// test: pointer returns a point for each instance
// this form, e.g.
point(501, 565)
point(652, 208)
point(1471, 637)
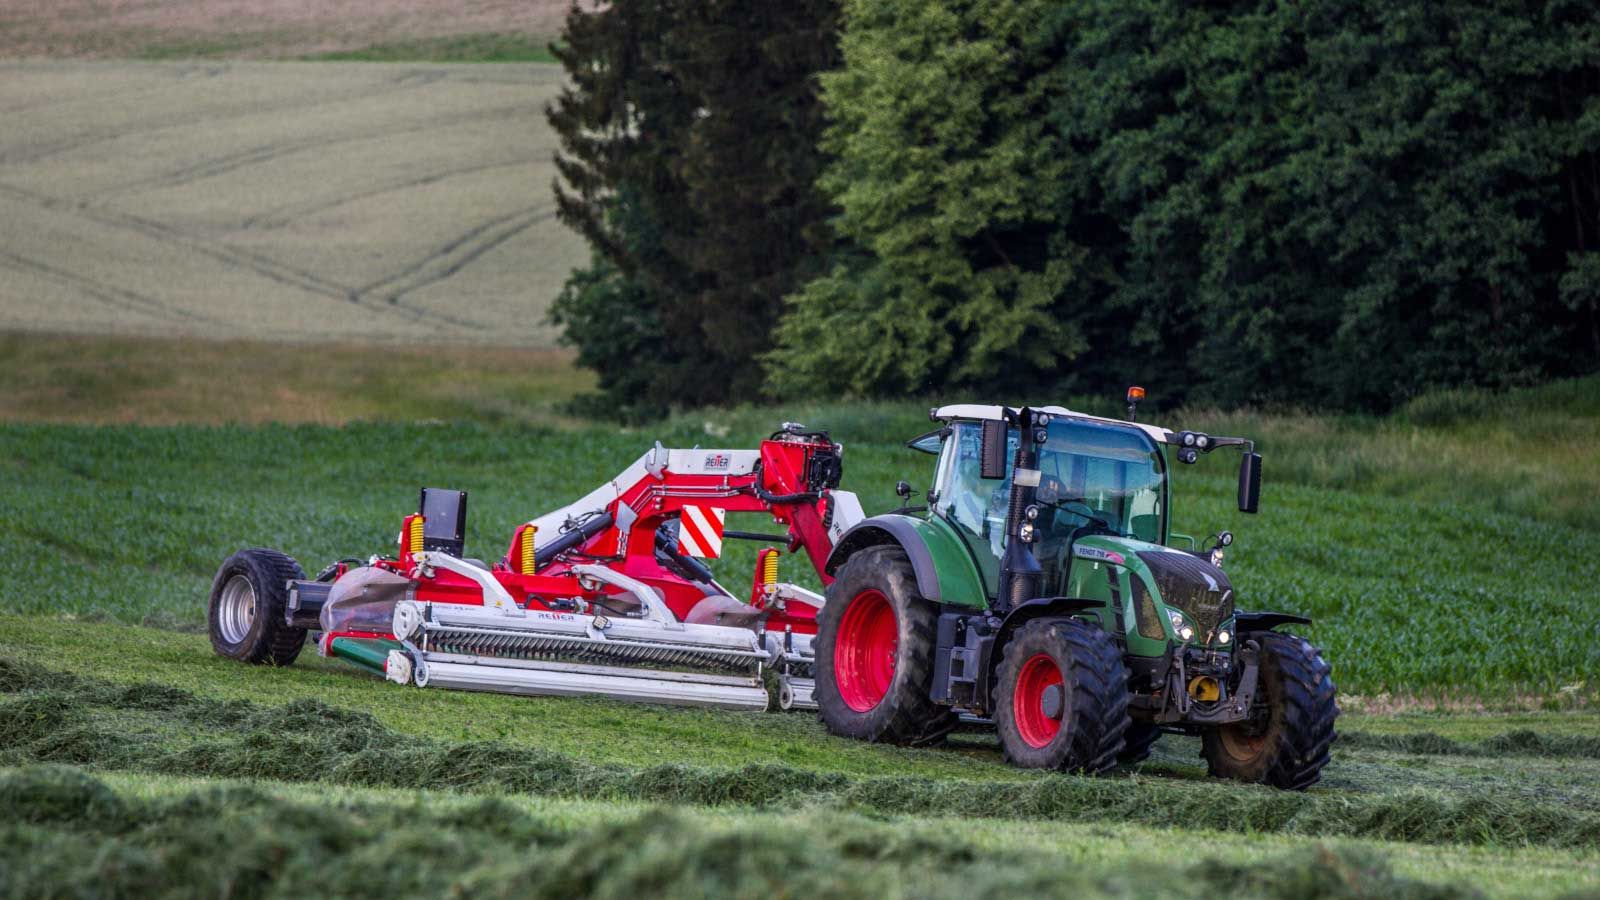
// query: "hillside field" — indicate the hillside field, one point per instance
point(328, 201)
point(252, 29)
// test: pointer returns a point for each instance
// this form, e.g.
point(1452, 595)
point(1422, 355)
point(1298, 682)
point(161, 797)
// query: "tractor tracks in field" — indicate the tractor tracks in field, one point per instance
point(272, 270)
point(287, 276)
point(449, 259)
point(184, 148)
point(286, 215)
point(383, 295)
point(114, 297)
point(270, 152)
point(410, 80)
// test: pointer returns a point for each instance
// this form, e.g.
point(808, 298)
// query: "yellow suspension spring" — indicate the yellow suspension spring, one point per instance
point(769, 570)
point(416, 535)
point(528, 534)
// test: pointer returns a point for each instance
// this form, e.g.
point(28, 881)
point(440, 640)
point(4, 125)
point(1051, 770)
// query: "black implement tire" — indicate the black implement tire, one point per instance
point(1136, 743)
point(1062, 701)
point(1287, 743)
point(245, 615)
point(876, 638)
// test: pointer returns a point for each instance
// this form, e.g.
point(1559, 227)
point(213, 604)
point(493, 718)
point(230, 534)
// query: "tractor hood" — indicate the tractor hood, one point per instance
point(1181, 580)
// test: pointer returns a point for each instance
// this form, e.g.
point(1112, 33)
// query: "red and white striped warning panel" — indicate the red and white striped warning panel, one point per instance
point(700, 531)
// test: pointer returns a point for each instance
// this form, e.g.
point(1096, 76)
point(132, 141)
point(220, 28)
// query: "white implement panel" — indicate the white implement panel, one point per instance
point(551, 679)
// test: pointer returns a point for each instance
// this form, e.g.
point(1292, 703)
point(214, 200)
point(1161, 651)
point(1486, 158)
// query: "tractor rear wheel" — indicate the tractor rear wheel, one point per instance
point(876, 638)
point(1286, 742)
point(1062, 701)
point(246, 613)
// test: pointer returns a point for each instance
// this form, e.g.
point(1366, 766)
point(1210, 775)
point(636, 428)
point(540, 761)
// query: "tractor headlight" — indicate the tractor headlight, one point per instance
point(1223, 637)
point(1182, 629)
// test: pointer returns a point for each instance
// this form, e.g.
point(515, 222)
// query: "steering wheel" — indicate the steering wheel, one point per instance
point(1088, 512)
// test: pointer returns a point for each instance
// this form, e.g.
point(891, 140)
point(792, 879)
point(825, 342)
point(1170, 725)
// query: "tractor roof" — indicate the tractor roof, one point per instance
point(981, 411)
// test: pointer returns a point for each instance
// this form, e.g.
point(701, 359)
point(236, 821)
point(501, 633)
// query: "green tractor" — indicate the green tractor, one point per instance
point(1042, 588)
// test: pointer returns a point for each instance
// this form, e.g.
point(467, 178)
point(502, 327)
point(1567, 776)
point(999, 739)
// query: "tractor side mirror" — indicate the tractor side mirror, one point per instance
point(1250, 482)
point(992, 453)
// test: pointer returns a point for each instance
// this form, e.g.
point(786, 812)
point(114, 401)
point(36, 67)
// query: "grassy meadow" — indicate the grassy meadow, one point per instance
point(1468, 761)
point(1416, 570)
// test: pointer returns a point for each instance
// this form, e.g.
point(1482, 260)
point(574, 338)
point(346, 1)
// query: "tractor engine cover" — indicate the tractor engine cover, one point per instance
point(1191, 585)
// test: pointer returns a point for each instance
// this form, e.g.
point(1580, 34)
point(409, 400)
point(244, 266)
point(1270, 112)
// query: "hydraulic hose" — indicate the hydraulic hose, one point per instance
point(688, 567)
point(585, 530)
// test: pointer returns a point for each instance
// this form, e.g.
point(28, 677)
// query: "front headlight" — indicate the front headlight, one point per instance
point(1181, 628)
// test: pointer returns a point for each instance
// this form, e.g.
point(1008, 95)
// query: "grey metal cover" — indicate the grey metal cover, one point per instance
point(364, 600)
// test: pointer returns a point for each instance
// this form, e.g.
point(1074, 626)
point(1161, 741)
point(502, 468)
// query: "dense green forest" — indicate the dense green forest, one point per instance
point(1314, 203)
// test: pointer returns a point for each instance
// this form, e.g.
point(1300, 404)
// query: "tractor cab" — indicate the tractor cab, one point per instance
point(1096, 477)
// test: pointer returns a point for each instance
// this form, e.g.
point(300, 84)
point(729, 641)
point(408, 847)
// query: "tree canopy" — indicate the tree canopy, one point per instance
point(688, 160)
point(1316, 202)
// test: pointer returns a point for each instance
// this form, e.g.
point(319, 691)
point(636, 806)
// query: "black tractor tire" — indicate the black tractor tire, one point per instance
point(876, 639)
point(1080, 727)
point(1137, 742)
point(1288, 745)
point(246, 612)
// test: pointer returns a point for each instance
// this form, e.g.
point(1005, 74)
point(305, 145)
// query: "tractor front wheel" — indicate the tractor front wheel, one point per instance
point(246, 613)
point(1062, 701)
point(1286, 741)
point(876, 638)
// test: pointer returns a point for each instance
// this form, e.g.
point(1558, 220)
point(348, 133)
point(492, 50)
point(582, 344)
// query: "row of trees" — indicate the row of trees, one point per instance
point(1317, 202)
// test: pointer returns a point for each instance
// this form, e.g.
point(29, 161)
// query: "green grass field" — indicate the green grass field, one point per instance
point(1423, 580)
point(1446, 551)
point(173, 733)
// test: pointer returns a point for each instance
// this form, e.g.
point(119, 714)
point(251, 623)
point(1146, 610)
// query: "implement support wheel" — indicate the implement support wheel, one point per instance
point(245, 616)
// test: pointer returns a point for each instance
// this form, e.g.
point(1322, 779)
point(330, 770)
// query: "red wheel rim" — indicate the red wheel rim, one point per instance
point(1039, 682)
point(863, 654)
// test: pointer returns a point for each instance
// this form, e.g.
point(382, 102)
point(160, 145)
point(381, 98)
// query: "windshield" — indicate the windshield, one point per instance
point(1114, 473)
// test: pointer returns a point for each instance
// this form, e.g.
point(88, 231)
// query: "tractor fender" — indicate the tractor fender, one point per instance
point(1038, 608)
point(889, 529)
point(1265, 621)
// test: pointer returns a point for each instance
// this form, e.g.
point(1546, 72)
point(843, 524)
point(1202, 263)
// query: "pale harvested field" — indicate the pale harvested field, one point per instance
point(280, 201)
point(254, 28)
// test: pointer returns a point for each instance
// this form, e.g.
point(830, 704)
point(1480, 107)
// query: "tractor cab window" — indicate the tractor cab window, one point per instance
point(1112, 474)
point(975, 505)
